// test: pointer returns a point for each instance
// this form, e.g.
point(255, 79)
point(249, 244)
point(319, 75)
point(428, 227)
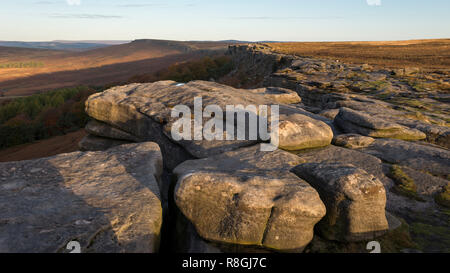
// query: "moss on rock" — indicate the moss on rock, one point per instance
point(404, 185)
point(431, 237)
point(393, 242)
point(443, 198)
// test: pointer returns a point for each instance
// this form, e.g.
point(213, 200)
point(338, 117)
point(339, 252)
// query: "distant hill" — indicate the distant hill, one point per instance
point(98, 66)
point(71, 46)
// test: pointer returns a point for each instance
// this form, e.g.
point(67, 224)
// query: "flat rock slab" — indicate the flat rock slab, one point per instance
point(352, 141)
point(419, 156)
point(355, 201)
point(352, 121)
point(107, 201)
point(335, 154)
point(249, 197)
point(436, 134)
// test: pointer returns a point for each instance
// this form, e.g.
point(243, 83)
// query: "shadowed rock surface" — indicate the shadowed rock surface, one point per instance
point(101, 129)
point(419, 156)
point(355, 200)
point(95, 143)
point(355, 122)
point(107, 201)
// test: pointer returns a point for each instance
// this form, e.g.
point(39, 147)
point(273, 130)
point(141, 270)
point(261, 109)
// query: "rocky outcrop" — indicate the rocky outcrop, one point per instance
point(355, 200)
point(352, 121)
point(106, 201)
point(139, 112)
point(255, 62)
point(404, 96)
point(248, 197)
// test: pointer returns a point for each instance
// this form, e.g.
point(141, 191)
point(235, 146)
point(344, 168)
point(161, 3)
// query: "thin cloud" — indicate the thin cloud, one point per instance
point(158, 5)
point(84, 16)
point(73, 2)
point(373, 2)
point(284, 18)
point(44, 3)
point(141, 5)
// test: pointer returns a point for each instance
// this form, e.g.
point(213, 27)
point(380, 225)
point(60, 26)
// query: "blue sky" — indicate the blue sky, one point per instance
point(282, 20)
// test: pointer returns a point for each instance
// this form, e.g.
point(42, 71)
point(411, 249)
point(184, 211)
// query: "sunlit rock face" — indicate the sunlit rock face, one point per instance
point(140, 112)
point(249, 197)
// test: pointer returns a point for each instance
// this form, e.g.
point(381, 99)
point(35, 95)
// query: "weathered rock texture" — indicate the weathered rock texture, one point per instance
point(143, 112)
point(334, 154)
point(298, 132)
point(419, 156)
point(352, 141)
point(107, 201)
point(355, 200)
point(405, 97)
point(248, 197)
point(352, 121)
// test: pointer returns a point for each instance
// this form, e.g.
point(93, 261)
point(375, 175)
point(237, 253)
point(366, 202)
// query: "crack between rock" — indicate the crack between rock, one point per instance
point(267, 226)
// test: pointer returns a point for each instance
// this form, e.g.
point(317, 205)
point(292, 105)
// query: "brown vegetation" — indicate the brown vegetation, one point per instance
point(97, 67)
point(426, 54)
point(44, 148)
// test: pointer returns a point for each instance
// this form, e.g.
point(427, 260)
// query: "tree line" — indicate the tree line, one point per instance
point(40, 116)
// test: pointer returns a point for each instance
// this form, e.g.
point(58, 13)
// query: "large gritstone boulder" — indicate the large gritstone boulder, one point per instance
point(249, 197)
point(355, 200)
point(105, 201)
point(139, 112)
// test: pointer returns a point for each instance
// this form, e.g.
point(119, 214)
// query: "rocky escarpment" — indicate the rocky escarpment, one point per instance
point(408, 97)
point(369, 108)
point(347, 165)
point(230, 196)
